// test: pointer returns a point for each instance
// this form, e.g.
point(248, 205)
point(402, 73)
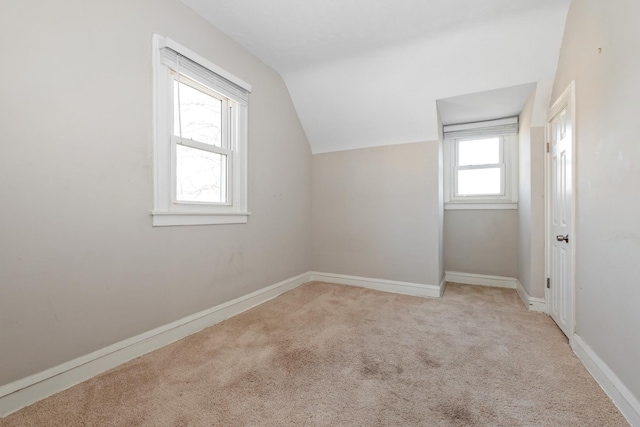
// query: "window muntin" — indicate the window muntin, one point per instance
point(200, 139)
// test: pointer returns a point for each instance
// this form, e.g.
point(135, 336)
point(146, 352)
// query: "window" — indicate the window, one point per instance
point(200, 139)
point(481, 165)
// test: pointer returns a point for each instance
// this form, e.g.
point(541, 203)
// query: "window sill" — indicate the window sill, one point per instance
point(163, 219)
point(473, 206)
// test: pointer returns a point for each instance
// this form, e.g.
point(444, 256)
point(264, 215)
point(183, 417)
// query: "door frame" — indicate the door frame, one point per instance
point(568, 97)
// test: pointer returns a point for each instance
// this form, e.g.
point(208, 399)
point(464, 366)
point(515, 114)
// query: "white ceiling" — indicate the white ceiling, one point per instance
point(365, 73)
point(487, 105)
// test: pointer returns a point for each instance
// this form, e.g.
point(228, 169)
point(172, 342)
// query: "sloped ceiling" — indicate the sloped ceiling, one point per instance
point(365, 73)
point(488, 105)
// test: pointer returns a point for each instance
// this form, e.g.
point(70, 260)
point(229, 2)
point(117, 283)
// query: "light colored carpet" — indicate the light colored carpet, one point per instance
point(332, 355)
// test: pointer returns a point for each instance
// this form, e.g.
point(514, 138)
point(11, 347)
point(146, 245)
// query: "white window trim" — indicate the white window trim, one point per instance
point(509, 160)
point(167, 211)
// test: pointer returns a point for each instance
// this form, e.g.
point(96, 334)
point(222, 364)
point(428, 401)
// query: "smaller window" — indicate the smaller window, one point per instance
point(481, 166)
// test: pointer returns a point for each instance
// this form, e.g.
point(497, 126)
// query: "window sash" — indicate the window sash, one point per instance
point(227, 182)
point(457, 150)
point(226, 110)
point(502, 193)
point(204, 147)
point(501, 164)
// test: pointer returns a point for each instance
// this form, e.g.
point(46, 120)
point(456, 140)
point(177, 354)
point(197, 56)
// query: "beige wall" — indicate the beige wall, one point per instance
point(531, 204)
point(480, 241)
point(607, 162)
point(483, 241)
point(376, 212)
point(81, 267)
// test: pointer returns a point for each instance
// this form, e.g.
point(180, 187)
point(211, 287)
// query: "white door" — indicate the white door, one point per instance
point(560, 213)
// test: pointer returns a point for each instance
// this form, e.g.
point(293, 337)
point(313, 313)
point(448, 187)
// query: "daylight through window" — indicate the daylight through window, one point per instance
point(479, 167)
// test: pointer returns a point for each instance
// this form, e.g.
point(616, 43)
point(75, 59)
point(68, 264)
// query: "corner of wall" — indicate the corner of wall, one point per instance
point(440, 195)
point(525, 228)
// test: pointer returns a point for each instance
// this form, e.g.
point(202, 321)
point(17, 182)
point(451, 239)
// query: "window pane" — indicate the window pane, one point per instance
point(479, 182)
point(201, 176)
point(200, 115)
point(479, 152)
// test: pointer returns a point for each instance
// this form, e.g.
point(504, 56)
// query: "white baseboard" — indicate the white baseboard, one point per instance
point(532, 303)
point(480, 279)
point(406, 288)
point(18, 394)
point(21, 393)
point(443, 285)
point(626, 402)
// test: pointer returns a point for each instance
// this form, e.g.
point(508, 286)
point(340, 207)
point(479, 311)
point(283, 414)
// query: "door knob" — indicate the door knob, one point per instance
point(560, 238)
